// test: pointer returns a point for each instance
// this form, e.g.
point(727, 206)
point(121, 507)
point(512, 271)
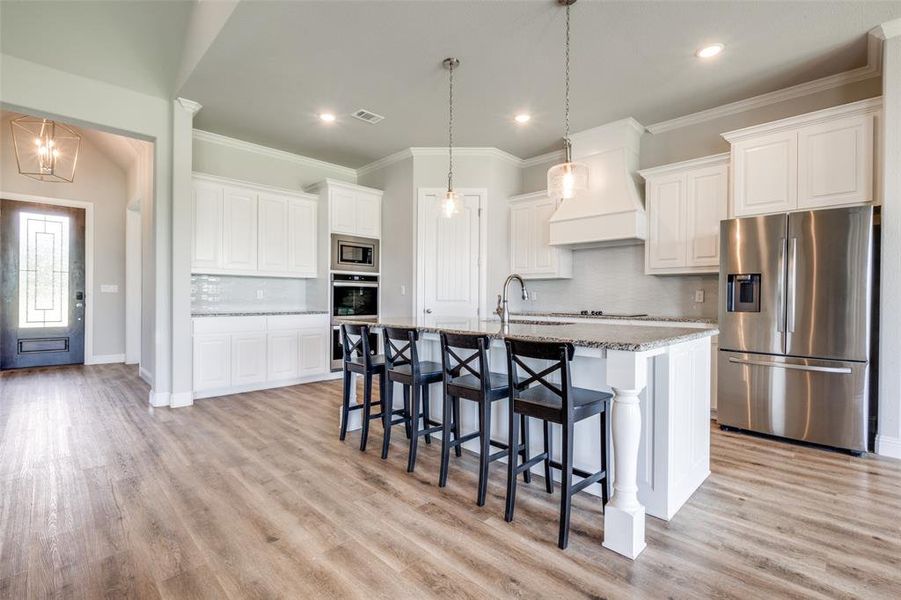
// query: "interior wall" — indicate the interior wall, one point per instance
point(101, 182)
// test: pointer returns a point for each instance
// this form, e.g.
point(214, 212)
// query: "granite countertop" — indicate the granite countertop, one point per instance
point(578, 315)
point(631, 338)
point(259, 313)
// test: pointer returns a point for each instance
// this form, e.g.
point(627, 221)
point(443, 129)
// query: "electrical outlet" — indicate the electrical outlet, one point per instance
point(533, 296)
point(403, 290)
point(699, 296)
point(259, 294)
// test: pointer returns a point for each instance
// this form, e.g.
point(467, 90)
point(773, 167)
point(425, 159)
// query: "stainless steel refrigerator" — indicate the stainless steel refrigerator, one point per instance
point(795, 325)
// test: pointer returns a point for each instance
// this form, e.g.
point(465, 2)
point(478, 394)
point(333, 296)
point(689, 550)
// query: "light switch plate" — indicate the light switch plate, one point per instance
point(259, 294)
point(109, 288)
point(699, 295)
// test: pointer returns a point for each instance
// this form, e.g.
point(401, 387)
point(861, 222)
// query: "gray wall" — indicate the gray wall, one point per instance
point(101, 182)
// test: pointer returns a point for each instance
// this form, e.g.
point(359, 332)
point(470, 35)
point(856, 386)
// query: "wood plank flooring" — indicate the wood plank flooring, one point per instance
point(253, 496)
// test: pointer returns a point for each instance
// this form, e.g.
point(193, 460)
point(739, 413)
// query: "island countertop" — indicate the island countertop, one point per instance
point(609, 336)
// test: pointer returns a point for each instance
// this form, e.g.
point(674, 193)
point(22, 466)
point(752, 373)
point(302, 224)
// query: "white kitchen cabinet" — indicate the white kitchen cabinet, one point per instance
point(212, 361)
point(352, 209)
point(314, 351)
point(283, 355)
point(815, 160)
point(249, 229)
point(685, 203)
point(248, 354)
point(530, 253)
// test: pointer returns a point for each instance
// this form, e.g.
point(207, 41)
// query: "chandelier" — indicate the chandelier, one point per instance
point(45, 150)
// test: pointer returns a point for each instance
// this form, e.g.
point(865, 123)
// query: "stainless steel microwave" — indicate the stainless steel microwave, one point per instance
point(355, 254)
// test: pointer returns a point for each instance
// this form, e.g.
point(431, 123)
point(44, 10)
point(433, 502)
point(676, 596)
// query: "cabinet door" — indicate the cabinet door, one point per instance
point(521, 231)
point(343, 211)
point(302, 237)
point(283, 353)
point(766, 174)
point(212, 361)
point(369, 215)
point(706, 205)
point(248, 358)
point(206, 243)
point(313, 351)
point(545, 256)
point(273, 233)
point(666, 246)
point(239, 238)
point(835, 162)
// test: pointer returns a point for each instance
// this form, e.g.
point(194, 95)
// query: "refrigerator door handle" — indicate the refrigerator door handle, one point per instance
point(761, 363)
point(791, 284)
point(780, 289)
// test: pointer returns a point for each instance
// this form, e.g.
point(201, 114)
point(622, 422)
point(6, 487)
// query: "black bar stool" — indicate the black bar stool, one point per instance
point(358, 359)
point(476, 383)
point(553, 403)
point(402, 365)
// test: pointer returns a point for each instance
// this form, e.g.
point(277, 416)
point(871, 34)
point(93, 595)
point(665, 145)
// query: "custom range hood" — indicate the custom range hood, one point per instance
point(611, 212)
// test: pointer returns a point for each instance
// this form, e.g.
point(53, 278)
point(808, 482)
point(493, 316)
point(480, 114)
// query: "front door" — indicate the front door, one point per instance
point(42, 283)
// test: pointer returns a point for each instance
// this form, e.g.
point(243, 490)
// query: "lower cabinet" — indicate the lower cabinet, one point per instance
point(234, 354)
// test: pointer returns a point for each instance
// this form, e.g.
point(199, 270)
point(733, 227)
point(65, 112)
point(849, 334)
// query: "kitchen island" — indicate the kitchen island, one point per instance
point(660, 378)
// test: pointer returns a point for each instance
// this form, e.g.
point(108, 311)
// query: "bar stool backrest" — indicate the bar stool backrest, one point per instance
point(355, 342)
point(560, 354)
point(400, 348)
point(475, 361)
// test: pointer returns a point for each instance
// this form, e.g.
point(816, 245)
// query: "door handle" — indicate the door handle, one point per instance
point(814, 368)
point(780, 289)
point(428, 311)
point(792, 284)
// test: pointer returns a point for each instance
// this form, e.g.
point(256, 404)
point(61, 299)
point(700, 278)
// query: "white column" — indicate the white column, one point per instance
point(888, 439)
point(624, 515)
point(182, 160)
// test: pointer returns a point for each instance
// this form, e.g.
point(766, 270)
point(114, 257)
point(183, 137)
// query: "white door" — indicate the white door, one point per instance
point(835, 162)
point(343, 207)
point(666, 241)
point(282, 347)
point(302, 237)
point(369, 215)
point(707, 203)
point(212, 361)
point(313, 351)
point(766, 174)
point(206, 244)
point(248, 358)
point(448, 255)
point(522, 217)
point(273, 233)
point(240, 233)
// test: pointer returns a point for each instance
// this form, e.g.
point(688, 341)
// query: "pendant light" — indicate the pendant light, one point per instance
point(568, 179)
point(45, 150)
point(451, 203)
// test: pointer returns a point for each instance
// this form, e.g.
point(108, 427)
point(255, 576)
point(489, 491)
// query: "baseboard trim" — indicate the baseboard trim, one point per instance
point(181, 399)
point(105, 359)
point(159, 399)
point(888, 446)
point(145, 375)
point(265, 385)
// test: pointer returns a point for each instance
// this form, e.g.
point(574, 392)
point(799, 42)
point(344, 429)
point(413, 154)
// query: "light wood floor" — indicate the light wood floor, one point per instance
point(253, 496)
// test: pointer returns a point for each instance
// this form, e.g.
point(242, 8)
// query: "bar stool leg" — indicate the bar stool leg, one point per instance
point(407, 411)
point(484, 449)
point(548, 475)
point(387, 393)
point(446, 429)
point(367, 409)
point(511, 465)
point(414, 426)
point(457, 449)
point(524, 424)
point(426, 409)
point(566, 489)
point(345, 404)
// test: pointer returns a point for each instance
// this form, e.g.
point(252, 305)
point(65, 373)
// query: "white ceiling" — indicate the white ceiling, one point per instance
point(275, 65)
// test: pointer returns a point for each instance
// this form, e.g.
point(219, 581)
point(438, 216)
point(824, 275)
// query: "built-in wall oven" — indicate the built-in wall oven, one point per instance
point(353, 296)
point(355, 254)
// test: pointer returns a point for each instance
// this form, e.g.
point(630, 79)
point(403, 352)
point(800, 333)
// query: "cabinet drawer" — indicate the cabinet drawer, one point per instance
point(249, 324)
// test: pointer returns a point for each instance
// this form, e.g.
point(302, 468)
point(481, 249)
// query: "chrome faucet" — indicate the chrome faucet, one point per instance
point(502, 309)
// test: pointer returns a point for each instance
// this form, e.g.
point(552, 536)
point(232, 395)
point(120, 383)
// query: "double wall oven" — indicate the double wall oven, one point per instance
point(353, 295)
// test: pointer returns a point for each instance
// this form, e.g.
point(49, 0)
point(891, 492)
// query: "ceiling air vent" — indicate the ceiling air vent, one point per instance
point(368, 116)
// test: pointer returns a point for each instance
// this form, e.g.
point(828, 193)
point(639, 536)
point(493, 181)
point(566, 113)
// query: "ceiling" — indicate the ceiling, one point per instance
point(274, 66)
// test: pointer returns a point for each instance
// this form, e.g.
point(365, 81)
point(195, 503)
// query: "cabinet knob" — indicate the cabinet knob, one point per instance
point(428, 311)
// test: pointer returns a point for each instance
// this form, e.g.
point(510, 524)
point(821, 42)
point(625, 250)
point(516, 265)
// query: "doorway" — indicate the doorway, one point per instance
point(42, 285)
point(450, 271)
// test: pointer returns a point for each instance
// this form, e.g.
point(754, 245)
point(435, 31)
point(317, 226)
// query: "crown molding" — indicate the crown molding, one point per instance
point(189, 105)
point(888, 30)
point(694, 163)
point(215, 138)
point(872, 69)
point(485, 152)
point(861, 107)
point(384, 162)
point(554, 156)
point(250, 184)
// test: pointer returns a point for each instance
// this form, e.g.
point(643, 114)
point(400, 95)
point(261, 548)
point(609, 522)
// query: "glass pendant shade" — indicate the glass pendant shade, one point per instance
point(450, 204)
point(567, 180)
point(45, 150)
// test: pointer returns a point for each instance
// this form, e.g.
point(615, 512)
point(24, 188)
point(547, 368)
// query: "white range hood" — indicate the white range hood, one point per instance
point(611, 212)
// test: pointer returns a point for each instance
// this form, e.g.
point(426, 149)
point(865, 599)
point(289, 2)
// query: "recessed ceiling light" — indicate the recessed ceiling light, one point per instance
point(327, 117)
point(709, 51)
point(522, 118)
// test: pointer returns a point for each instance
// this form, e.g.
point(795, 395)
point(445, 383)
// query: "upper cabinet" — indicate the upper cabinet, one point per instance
point(353, 209)
point(530, 254)
point(816, 160)
point(685, 203)
point(246, 229)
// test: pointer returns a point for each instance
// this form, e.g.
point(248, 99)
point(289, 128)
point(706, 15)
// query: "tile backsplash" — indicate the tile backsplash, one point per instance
point(220, 293)
point(613, 280)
